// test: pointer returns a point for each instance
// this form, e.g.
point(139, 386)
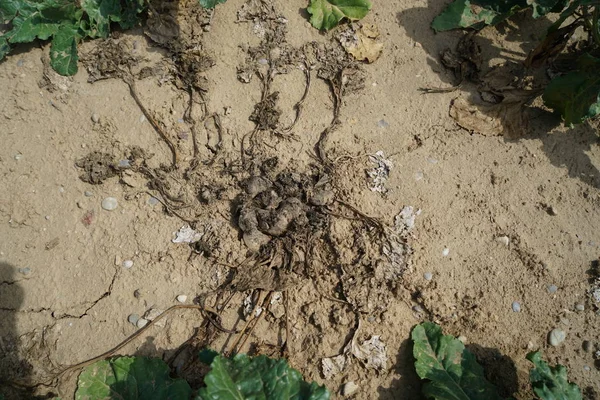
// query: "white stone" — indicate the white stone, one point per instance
point(127, 264)
point(182, 298)
point(110, 204)
point(142, 322)
point(503, 239)
point(349, 388)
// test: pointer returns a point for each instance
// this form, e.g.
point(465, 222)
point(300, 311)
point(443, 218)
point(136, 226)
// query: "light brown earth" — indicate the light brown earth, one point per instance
point(65, 296)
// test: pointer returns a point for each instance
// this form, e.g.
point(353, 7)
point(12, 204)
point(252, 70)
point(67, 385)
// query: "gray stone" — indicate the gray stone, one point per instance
point(133, 319)
point(110, 204)
point(556, 337)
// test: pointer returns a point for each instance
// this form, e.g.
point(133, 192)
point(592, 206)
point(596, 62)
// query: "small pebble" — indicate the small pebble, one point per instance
point(503, 239)
point(432, 161)
point(586, 346)
point(587, 368)
point(142, 118)
point(382, 123)
point(445, 252)
point(25, 271)
point(428, 276)
point(87, 193)
point(124, 164)
point(556, 337)
point(462, 339)
point(20, 63)
point(95, 118)
point(182, 298)
point(153, 201)
point(127, 264)
point(263, 61)
point(47, 217)
point(18, 156)
point(133, 319)
point(142, 322)
point(61, 189)
point(349, 388)
point(579, 307)
point(110, 204)
point(552, 288)
point(516, 306)
point(418, 175)
point(418, 309)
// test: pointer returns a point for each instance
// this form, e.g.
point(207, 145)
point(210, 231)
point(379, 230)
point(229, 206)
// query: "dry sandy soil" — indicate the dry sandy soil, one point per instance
point(501, 220)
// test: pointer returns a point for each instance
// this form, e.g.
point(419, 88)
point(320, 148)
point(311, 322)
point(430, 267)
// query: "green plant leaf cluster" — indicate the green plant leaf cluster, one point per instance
point(326, 14)
point(478, 13)
point(66, 23)
point(550, 383)
point(575, 95)
point(130, 378)
point(260, 378)
point(237, 378)
point(451, 371)
point(211, 3)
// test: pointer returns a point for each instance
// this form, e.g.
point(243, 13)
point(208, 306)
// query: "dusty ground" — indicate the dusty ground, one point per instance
point(65, 296)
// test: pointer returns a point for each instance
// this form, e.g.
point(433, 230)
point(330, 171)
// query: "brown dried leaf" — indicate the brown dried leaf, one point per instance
point(506, 118)
point(364, 45)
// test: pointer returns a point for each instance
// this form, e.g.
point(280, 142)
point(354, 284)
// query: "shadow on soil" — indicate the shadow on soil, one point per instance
point(13, 368)
point(564, 149)
point(499, 370)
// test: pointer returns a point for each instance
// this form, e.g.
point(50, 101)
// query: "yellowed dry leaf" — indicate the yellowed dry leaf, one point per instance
point(366, 47)
point(507, 118)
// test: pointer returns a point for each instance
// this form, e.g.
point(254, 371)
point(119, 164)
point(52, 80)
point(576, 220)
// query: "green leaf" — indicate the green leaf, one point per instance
point(451, 370)
point(4, 47)
point(101, 13)
point(63, 52)
point(130, 378)
point(260, 378)
point(326, 14)
point(476, 14)
point(211, 3)
point(130, 14)
point(575, 95)
point(550, 383)
point(8, 9)
point(543, 7)
point(42, 20)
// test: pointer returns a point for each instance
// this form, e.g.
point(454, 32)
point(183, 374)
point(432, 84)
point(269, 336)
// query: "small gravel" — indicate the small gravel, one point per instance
point(516, 306)
point(552, 288)
point(503, 240)
point(87, 193)
point(556, 337)
point(25, 271)
point(127, 264)
point(382, 123)
point(133, 318)
point(95, 118)
point(446, 252)
point(428, 276)
point(110, 204)
point(350, 388)
point(142, 322)
point(182, 298)
point(587, 346)
point(579, 307)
